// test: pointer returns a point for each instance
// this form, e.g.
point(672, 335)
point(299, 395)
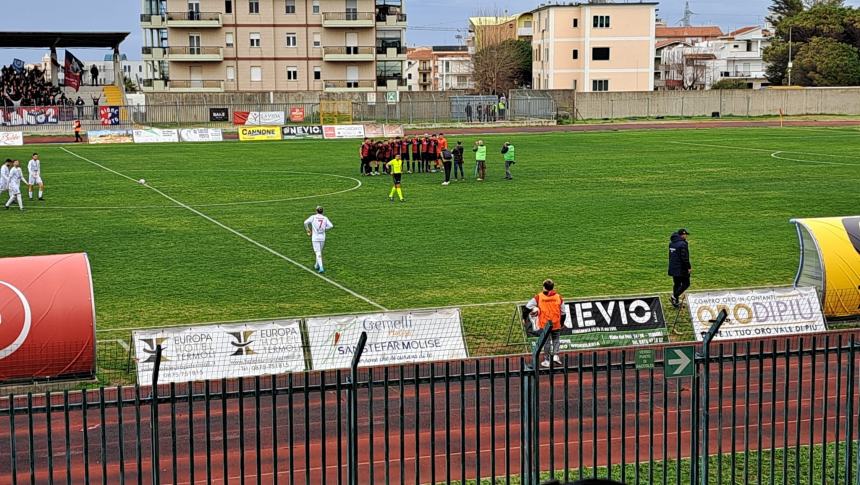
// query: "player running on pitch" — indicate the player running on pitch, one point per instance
point(15, 177)
point(396, 168)
point(34, 173)
point(317, 226)
point(4, 175)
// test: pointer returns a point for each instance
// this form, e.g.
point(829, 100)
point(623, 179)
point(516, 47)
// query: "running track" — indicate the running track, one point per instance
point(773, 407)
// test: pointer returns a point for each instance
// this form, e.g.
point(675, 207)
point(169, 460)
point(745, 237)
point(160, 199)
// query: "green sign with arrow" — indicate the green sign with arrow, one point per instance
point(680, 362)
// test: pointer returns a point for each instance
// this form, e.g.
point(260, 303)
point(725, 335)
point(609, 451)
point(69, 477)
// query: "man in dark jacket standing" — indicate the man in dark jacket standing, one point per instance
point(679, 265)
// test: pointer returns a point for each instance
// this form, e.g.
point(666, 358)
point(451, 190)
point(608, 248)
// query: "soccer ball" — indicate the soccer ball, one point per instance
point(142, 182)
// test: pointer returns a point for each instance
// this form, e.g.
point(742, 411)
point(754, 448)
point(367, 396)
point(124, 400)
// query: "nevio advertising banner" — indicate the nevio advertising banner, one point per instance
point(47, 317)
point(757, 313)
point(30, 115)
point(156, 135)
point(11, 138)
point(392, 338)
point(220, 351)
point(201, 134)
point(259, 118)
point(98, 137)
point(219, 114)
point(609, 323)
point(260, 133)
point(293, 132)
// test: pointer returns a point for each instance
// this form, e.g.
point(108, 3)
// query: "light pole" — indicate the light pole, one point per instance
point(790, 64)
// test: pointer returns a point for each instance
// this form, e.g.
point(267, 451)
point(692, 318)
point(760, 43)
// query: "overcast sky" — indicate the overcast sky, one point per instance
point(430, 21)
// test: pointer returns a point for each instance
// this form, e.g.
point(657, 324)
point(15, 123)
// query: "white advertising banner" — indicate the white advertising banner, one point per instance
point(266, 118)
point(194, 135)
point(11, 138)
point(331, 132)
point(392, 338)
point(220, 351)
point(156, 135)
point(757, 313)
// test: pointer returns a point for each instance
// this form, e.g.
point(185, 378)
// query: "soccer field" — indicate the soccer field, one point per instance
point(219, 235)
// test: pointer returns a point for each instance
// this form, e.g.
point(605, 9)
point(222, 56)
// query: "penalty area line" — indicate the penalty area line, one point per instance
point(234, 232)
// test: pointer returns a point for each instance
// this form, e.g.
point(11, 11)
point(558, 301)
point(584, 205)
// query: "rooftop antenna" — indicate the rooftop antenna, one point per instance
point(688, 15)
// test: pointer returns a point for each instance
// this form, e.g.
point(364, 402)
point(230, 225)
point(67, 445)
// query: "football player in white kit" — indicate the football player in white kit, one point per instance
point(15, 177)
point(34, 172)
point(316, 226)
point(4, 175)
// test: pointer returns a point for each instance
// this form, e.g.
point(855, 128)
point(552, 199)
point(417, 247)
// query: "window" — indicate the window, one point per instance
point(386, 39)
point(317, 41)
point(231, 73)
point(291, 6)
point(749, 46)
point(291, 39)
point(228, 39)
point(228, 6)
point(447, 67)
point(317, 73)
point(409, 76)
point(600, 85)
point(546, 54)
point(292, 73)
point(600, 54)
point(315, 7)
point(253, 6)
point(256, 73)
point(527, 24)
point(601, 21)
point(255, 39)
point(576, 53)
point(575, 23)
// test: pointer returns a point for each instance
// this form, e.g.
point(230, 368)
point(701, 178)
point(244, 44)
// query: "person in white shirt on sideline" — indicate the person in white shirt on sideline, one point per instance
point(34, 173)
point(15, 177)
point(317, 226)
point(4, 175)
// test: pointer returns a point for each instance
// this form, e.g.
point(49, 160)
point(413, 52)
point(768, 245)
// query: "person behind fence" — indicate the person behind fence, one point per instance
point(469, 112)
point(510, 158)
point(502, 108)
point(549, 307)
point(458, 161)
point(679, 265)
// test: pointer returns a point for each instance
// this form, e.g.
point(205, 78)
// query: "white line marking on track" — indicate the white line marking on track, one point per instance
point(235, 232)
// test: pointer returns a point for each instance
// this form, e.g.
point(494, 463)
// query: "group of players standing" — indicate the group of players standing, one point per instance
point(11, 177)
point(420, 154)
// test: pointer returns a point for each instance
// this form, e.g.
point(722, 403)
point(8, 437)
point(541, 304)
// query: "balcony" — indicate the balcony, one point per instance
point(367, 85)
point(349, 20)
point(524, 32)
point(196, 85)
point(737, 74)
point(154, 53)
point(391, 20)
point(391, 53)
point(195, 54)
point(390, 83)
point(348, 54)
point(194, 20)
point(151, 21)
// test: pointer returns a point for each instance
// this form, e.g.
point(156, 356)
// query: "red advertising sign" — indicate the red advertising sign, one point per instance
point(47, 318)
point(297, 115)
point(240, 118)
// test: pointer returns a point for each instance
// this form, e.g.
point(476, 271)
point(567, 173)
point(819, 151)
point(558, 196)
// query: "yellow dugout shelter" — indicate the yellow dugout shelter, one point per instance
point(830, 262)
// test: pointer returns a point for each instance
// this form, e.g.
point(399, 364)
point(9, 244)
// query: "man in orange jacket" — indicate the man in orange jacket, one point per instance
point(549, 307)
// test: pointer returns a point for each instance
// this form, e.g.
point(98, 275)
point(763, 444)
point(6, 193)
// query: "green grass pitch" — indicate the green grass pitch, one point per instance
point(593, 211)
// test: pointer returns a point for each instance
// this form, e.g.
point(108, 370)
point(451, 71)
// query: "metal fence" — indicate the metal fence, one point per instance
point(776, 411)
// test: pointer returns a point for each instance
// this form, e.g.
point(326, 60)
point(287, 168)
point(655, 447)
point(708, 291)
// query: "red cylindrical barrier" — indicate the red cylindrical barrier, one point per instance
point(47, 318)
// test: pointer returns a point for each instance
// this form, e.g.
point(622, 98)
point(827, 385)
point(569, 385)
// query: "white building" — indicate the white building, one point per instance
point(735, 56)
point(137, 71)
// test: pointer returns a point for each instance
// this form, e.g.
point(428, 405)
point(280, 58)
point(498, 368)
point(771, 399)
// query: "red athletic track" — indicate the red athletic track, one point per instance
point(317, 440)
point(490, 129)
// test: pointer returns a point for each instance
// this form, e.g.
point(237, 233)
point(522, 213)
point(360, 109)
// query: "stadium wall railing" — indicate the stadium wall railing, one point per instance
point(778, 411)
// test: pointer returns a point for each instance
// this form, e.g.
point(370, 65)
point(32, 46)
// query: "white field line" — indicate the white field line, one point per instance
point(776, 155)
point(768, 150)
point(236, 233)
point(461, 306)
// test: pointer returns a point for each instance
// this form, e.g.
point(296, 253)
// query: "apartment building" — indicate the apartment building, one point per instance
point(274, 45)
point(439, 68)
point(594, 46)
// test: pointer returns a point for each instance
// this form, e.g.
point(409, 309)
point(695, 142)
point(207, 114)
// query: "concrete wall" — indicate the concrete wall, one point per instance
point(767, 102)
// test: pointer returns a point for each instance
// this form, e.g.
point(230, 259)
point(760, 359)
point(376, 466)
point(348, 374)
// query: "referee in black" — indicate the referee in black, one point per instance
point(679, 265)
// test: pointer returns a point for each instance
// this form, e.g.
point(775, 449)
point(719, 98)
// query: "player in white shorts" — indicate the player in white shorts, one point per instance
point(34, 171)
point(15, 177)
point(4, 175)
point(316, 226)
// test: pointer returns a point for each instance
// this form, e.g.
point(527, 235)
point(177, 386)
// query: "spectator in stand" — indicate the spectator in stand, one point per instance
point(25, 87)
point(96, 100)
point(94, 73)
point(80, 106)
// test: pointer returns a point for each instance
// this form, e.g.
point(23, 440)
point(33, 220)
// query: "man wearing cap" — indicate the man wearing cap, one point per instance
point(679, 265)
point(317, 226)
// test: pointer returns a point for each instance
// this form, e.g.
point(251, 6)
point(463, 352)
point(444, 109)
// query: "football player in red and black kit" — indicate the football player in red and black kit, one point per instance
point(415, 165)
point(364, 153)
point(425, 153)
point(404, 152)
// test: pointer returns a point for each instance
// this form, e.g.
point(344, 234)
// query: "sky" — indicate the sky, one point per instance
point(431, 22)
